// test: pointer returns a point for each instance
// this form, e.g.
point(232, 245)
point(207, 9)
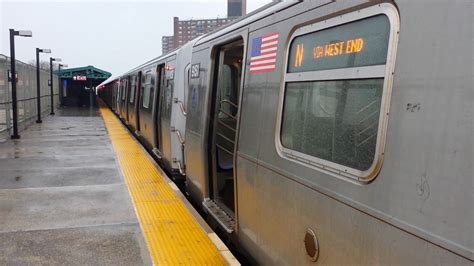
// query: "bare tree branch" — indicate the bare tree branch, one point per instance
point(44, 65)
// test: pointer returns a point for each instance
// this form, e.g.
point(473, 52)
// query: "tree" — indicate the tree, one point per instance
point(44, 65)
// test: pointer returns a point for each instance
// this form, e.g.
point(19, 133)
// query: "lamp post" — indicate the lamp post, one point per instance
point(60, 86)
point(13, 33)
point(38, 89)
point(51, 81)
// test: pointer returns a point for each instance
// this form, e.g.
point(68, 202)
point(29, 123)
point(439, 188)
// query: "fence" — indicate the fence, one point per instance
point(26, 95)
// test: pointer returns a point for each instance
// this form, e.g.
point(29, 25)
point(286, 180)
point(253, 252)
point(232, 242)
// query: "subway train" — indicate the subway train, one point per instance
point(321, 132)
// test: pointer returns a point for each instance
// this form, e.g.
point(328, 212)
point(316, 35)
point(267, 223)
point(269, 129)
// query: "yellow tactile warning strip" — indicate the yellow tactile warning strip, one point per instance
point(172, 234)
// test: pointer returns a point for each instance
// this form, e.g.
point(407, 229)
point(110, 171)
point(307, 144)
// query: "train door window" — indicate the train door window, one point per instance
point(167, 101)
point(152, 90)
point(133, 87)
point(224, 133)
point(149, 90)
point(126, 93)
point(122, 90)
point(336, 94)
point(187, 75)
point(117, 91)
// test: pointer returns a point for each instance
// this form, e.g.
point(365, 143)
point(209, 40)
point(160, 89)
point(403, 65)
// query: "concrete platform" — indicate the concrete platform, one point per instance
point(63, 199)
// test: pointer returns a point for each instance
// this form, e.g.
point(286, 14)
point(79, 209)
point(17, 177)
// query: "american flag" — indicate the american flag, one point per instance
point(264, 51)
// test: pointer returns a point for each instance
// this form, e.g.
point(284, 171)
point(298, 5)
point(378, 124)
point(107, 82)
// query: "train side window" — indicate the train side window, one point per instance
point(333, 120)
point(335, 98)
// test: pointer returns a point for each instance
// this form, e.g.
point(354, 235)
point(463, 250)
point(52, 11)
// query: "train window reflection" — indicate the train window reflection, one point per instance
point(336, 121)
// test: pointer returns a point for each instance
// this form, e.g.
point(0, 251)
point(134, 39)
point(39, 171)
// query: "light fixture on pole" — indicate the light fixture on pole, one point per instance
point(38, 89)
point(51, 59)
point(13, 33)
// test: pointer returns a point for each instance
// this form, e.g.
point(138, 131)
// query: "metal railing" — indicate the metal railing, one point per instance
point(181, 106)
point(26, 95)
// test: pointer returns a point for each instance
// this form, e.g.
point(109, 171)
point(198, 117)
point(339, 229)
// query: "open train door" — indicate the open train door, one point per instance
point(160, 84)
point(223, 131)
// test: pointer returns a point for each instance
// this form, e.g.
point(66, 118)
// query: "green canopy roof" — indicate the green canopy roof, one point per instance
point(90, 72)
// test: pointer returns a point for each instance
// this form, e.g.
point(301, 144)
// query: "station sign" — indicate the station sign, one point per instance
point(80, 78)
point(195, 68)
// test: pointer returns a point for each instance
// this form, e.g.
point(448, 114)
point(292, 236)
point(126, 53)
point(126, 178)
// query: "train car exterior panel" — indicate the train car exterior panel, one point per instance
point(147, 105)
point(114, 87)
point(134, 98)
point(113, 91)
point(393, 196)
point(122, 99)
point(178, 113)
point(196, 125)
point(165, 112)
point(346, 235)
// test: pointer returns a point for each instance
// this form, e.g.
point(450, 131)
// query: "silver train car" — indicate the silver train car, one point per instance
point(328, 132)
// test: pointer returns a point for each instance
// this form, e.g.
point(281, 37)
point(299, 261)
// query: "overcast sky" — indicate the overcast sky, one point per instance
point(114, 35)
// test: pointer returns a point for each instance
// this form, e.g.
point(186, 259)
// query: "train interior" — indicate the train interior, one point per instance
point(225, 114)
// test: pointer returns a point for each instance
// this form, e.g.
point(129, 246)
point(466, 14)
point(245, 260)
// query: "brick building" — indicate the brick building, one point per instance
point(186, 30)
point(236, 8)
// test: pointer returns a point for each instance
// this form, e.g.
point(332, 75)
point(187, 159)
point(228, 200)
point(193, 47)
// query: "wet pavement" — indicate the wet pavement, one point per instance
point(63, 199)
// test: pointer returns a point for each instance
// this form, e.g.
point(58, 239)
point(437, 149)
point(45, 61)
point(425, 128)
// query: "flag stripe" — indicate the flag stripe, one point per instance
point(255, 63)
point(270, 35)
point(268, 65)
point(261, 71)
point(265, 44)
point(263, 56)
point(262, 67)
point(272, 68)
point(269, 49)
point(269, 38)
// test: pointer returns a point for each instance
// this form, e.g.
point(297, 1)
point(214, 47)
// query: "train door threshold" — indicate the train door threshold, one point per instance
point(220, 215)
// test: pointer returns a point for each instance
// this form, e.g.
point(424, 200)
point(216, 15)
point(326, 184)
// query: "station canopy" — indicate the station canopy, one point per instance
point(83, 73)
point(78, 85)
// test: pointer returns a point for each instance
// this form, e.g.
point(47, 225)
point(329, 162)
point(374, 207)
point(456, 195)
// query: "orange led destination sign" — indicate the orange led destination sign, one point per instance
point(360, 43)
point(339, 48)
point(330, 49)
